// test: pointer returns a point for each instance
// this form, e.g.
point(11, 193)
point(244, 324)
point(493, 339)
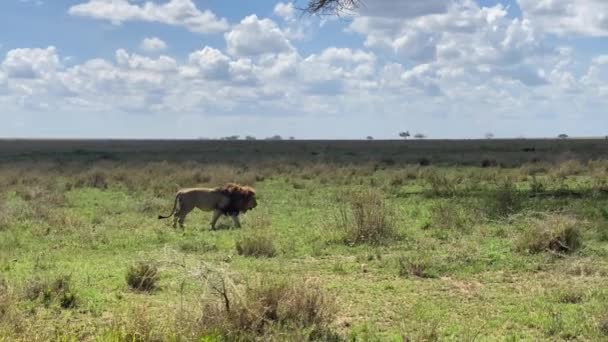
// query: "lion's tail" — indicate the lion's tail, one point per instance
point(172, 210)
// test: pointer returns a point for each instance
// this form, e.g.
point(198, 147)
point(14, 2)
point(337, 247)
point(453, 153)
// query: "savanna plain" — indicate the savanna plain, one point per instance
point(480, 240)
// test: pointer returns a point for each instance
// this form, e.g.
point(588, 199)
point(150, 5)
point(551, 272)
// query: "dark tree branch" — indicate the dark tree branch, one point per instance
point(330, 6)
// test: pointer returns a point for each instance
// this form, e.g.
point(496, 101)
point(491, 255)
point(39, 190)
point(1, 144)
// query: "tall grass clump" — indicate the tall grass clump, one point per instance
point(48, 292)
point(256, 244)
point(143, 276)
point(551, 233)
point(271, 307)
point(365, 217)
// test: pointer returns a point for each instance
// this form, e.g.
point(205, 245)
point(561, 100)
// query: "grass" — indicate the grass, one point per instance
point(354, 242)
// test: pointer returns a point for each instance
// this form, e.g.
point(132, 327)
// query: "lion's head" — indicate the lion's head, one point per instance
point(242, 198)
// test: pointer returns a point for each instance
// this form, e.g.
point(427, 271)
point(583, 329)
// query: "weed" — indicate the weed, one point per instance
point(143, 276)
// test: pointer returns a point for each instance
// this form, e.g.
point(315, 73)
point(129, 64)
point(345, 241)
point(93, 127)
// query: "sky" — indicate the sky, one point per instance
point(213, 68)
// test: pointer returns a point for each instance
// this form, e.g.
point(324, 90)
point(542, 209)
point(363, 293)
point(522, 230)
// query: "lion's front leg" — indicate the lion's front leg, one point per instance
point(235, 218)
point(216, 216)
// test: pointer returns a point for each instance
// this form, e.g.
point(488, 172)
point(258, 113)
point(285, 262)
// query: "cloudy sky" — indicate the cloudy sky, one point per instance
point(210, 68)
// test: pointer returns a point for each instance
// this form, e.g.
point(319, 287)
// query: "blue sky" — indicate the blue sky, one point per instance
point(193, 68)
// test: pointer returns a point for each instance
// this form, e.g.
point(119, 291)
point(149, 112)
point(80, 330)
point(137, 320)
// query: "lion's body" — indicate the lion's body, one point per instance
point(228, 200)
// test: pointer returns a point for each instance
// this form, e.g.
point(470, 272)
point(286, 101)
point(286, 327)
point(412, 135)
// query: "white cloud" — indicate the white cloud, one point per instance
point(31, 63)
point(210, 63)
point(465, 39)
point(255, 37)
point(175, 12)
point(153, 44)
point(583, 17)
point(284, 10)
point(601, 60)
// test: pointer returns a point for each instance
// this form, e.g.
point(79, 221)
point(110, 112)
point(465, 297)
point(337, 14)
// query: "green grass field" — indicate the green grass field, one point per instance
point(361, 241)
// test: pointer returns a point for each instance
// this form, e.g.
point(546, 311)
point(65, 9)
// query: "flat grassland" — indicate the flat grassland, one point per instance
point(351, 240)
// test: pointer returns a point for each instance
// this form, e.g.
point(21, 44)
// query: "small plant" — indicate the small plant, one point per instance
point(555, 233)
point(366, 218)
point(142, 276)
point(257, 244)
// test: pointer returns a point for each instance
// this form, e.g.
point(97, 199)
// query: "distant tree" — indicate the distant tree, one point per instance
point(275, 137)
point(419, 136)
point(405, 134)
point(563, 136)
point(489, 135)
point(369, 137)
point(250, 137)
point(231, 137)
point(292, 138)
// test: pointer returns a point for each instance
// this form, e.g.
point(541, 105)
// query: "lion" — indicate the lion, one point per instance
point(229, 200)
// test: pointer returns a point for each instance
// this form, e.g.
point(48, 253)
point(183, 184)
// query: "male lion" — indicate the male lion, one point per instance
point(230, 200)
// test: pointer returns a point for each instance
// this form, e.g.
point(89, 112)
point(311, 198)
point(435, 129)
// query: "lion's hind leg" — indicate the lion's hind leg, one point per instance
point(235, 219)
point(216, 216)
point(180, 215)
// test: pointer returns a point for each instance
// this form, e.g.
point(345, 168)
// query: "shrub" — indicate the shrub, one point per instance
point(489, 163)
point(366, 218)
point(142, 276)
point(504, 201)
point(256, 244)
point(556, 233)
point(423, 161)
